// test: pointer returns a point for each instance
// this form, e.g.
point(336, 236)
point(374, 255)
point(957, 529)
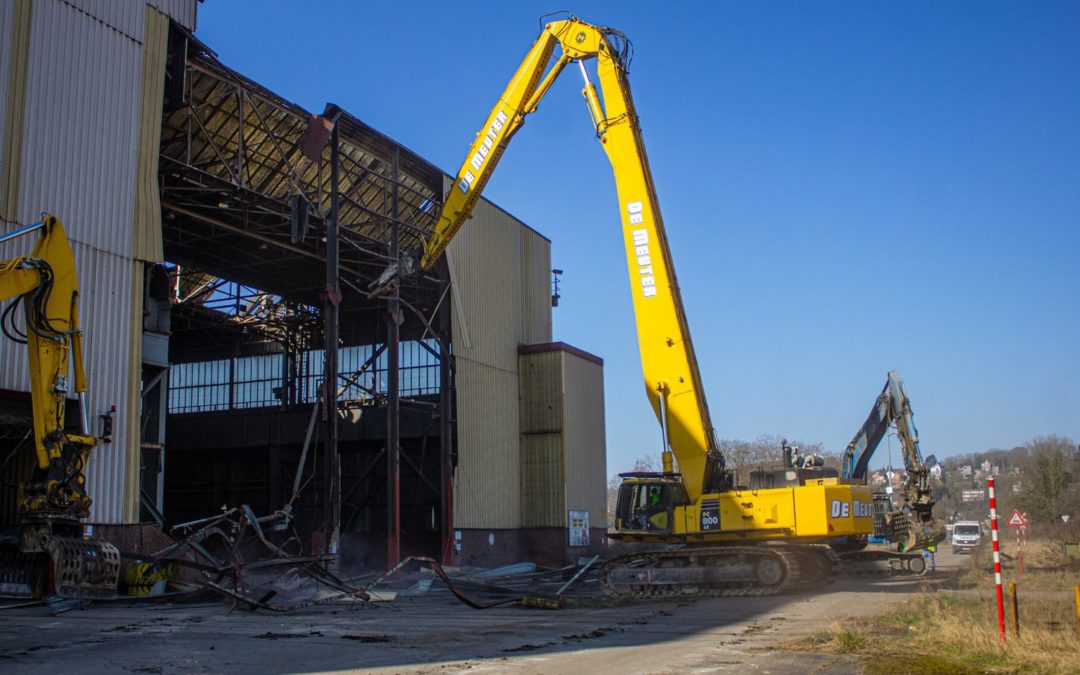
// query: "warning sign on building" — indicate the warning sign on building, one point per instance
point(1017, 519)
point(578, 523)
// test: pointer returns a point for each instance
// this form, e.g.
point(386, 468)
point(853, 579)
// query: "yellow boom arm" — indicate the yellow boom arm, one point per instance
point(667, 355)
point(47, 285)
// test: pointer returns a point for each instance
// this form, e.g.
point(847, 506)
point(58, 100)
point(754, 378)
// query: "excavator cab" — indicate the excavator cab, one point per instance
point(647, 502)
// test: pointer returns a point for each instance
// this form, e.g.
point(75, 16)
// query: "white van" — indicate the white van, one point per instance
point(966, 535)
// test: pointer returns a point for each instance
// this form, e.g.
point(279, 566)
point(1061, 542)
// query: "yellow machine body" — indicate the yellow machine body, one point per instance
point(818, 511)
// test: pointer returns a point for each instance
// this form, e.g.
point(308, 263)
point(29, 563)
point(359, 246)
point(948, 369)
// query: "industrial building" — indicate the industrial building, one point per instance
point(224, 237)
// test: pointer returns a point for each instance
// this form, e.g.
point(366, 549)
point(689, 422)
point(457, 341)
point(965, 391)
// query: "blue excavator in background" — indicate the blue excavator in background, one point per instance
point(905, 519)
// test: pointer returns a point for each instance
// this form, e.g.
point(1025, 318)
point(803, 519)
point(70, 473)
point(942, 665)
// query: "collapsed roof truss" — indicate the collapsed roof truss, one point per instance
point(232, 167)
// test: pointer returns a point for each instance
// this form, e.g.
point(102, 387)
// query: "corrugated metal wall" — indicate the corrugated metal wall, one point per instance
point(180, 11)
point(147, 243)
point(81, 126)
point(84, 121)
point(488, 268)
point(543, 472)
point(14, 45)
point(126, 16)
point(535, 288)
point(583, 437)
point(107, 283)
point(130, 454)
point(564, 458)
point(7, 40)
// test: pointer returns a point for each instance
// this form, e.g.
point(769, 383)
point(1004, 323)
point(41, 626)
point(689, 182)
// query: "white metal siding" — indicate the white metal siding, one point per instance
point(535, 288)
point(182, 12)
point(488, 261)
point(485, 257)
point(583, 438)
point(80, 134)
point(124, 16)
point(81, 126)
point(14, 52)
point(7, 16)
point(487, 490)
point(107, 297)
point(79, 149)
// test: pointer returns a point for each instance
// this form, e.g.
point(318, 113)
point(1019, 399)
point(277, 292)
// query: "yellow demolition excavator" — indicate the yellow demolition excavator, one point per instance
point(716, 537)
point(51, 556)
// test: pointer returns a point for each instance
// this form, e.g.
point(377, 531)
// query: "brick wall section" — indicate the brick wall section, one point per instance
point(549, 546)
point(142, 538)
point(476, 549)
point(545, 546)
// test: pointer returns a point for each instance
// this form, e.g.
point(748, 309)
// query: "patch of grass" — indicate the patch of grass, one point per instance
point(955, 631)
point(812, 643)
point(847, 641)
point(922, 663)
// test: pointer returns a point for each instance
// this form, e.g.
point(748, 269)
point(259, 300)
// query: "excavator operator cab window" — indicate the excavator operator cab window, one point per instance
point(647, 505)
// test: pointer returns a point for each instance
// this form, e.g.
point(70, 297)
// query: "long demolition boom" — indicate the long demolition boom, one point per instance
point(669, 365)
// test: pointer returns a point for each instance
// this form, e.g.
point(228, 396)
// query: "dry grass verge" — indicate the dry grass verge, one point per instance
point(955, 630)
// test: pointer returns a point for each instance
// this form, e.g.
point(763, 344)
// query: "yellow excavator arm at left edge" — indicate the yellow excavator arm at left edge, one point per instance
point(46, 284)
point(53, 502)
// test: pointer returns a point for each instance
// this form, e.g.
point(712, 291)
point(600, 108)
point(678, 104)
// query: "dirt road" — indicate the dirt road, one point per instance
point(434, 634)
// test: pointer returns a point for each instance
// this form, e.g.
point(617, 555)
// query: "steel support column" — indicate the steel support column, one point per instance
point(393, 427)
point(446, 433)
point(332, 463)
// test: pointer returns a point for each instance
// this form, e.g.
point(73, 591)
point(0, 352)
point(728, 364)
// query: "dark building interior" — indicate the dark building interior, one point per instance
point(261, 201)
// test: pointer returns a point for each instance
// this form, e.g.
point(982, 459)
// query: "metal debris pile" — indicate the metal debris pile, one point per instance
point(234, 555)
point(522, 583)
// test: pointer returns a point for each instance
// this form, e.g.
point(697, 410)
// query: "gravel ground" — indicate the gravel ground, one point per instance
point(435, 634)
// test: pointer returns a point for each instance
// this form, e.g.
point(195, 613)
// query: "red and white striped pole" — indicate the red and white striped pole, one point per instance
point(997, 557)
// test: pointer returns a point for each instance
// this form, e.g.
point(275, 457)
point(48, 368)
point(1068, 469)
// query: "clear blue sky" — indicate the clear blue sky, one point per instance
point(848, 188)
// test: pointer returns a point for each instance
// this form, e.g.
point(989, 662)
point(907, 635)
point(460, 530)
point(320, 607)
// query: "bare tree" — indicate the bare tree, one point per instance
point(612, 498)
point(767, 451)
point(1050, 471)
point(650, 463)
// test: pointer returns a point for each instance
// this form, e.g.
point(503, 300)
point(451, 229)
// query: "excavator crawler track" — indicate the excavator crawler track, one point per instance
point(718, 571)
point(882, 563)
